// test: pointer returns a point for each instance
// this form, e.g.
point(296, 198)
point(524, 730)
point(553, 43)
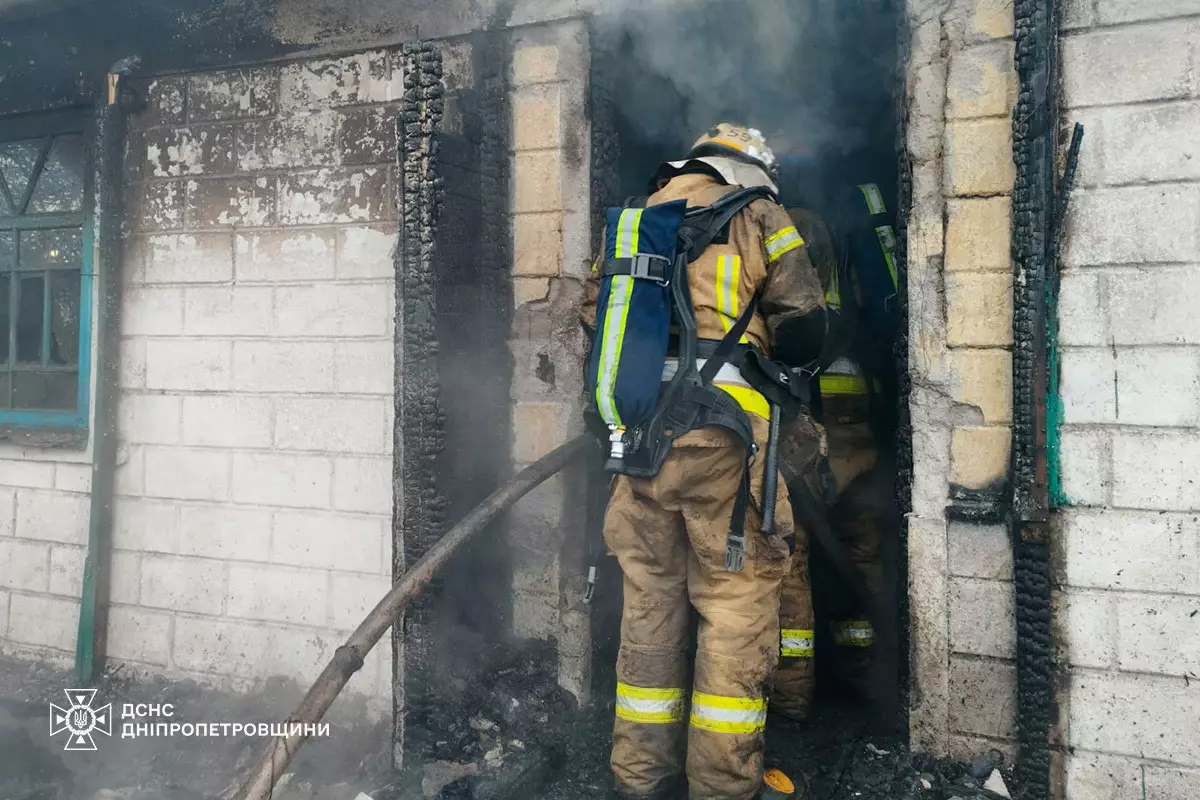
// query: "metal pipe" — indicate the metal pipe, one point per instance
point(91, 640)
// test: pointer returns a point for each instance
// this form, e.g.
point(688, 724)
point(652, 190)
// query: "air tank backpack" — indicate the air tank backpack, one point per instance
point(643, 292)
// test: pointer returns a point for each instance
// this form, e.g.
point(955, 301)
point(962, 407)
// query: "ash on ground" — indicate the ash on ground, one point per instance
point(502, 730)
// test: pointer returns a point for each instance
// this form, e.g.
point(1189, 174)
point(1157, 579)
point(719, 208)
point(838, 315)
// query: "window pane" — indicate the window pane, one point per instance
point(4, 393)
point(49, 249)
point(53, 391)
point(5, 319)
point(17, 160)
point(30, 309)
point(64, 317)
point(6, 250)
point(60, 186)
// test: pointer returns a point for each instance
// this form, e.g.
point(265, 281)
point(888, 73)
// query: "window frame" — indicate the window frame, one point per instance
point(40, 125)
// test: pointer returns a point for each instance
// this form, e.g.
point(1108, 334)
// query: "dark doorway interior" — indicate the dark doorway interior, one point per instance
point(818, 78)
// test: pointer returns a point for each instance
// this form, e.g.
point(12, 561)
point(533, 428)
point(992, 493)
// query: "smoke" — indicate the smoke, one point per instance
point(815, 76)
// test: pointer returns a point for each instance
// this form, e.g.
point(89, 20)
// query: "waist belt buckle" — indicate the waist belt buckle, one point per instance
point(735, 552)
point(642, 266)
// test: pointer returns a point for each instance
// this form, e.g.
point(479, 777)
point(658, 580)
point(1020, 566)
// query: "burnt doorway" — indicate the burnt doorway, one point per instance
point(820, 79)
point(453, 373)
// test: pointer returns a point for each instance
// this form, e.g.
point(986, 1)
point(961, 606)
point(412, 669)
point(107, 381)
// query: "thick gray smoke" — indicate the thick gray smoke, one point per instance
point(814, 75)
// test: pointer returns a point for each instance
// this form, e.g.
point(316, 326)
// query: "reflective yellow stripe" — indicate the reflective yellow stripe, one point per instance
point(891, 262)
point(887, 243)
point(833, 295)
point(651, 706)
point(720, 714)
point(729, 273)
point(751, 401)
point(616, 314)
point(627, 232)
point(643, 693)
point(843, 384)
point(853, 633)
point(795, 643)
point(782, 242)
point(721, 701)
point(874, 198)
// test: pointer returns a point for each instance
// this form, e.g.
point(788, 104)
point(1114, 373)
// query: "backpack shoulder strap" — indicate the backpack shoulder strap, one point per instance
point(709, 221)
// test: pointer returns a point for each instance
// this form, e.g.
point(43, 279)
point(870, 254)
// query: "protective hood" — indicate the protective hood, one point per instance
point(731, 170)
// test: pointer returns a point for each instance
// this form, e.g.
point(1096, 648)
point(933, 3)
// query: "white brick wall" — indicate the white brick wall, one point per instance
point(1130, 607)
point(253, 521)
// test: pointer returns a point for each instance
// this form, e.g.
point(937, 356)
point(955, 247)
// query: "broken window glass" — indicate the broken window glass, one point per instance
point(64, 318)
point(55, 248)
point(17, 163)
point(59, 187)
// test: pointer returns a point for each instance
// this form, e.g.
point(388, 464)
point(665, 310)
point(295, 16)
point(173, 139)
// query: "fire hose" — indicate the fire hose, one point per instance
point(348, 658)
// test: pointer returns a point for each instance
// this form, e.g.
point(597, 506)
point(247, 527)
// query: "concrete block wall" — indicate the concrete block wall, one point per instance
point(1130, 603)
point(43, 535)
point(978, 183)
point(551, 239)
point(252, 526)
point(961, 92)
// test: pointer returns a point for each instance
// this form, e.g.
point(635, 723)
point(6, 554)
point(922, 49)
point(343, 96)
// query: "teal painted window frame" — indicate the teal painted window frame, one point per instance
point(33, 126)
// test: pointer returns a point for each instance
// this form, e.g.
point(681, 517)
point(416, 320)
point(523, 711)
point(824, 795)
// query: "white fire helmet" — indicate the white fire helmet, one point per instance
point(739, 154)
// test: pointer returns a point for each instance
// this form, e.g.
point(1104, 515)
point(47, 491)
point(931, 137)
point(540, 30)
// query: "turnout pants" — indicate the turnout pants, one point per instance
point(795, 680)
point(802, 446)
point(852, 453)
point(856, 520)
point(669, 534)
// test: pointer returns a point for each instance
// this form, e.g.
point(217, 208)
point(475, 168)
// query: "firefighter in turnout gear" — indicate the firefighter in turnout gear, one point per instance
point(755, 286)
point(855, 409)
point(804, 451)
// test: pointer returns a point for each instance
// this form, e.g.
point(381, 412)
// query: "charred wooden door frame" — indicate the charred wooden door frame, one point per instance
point(452, 438)
point(1034, 233)
point(419, 436)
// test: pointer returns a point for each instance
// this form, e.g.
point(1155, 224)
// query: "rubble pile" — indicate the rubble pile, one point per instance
point(842, 760)
point(492, 728)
